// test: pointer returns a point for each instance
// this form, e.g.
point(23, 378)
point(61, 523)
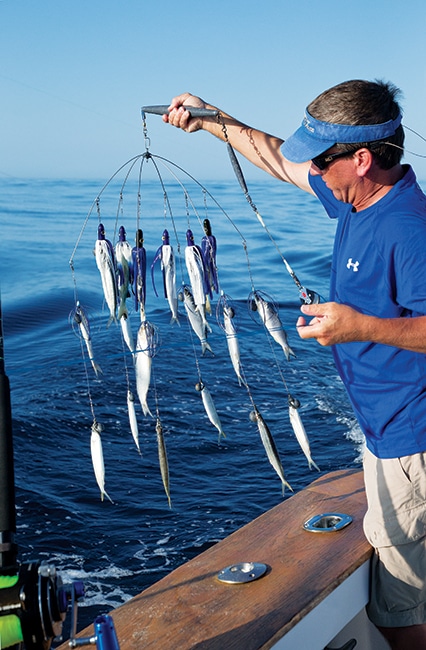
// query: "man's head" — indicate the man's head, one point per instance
point(350, 116)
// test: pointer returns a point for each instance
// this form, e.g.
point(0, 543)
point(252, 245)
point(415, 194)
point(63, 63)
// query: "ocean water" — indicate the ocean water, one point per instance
point(120, 548)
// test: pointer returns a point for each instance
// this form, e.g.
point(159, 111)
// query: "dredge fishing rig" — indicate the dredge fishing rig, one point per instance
point(33, 600)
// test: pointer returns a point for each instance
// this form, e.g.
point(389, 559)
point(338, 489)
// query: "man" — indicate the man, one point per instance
point(348, 153)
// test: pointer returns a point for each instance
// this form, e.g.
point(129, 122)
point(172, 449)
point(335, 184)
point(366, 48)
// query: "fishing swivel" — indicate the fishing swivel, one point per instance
point(146, 138)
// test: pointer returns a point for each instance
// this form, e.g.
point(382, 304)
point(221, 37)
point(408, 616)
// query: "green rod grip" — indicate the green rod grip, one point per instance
point(8, 581)
point(10, 631)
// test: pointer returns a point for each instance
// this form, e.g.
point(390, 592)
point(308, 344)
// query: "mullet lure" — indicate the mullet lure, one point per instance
point(208, 250)
point(123, 256)
point(106, 263)
point(168, 266)
point(139, 273)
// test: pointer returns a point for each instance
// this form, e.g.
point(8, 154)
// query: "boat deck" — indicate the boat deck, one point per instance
point(191, 608)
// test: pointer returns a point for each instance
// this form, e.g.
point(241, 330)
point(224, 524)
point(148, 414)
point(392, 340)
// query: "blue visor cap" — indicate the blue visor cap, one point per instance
point(314, 137)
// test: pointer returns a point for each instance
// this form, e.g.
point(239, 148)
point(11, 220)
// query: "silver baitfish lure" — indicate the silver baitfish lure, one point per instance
point(268, 313)
point(198, 324)
point(167, 258)
point(98, 458)
point(106, 263)
point(270, 446)
point(299, 430)
point(210, 408)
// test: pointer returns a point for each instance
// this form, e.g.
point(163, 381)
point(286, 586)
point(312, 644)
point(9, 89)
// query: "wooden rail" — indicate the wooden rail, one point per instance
point(191, 609)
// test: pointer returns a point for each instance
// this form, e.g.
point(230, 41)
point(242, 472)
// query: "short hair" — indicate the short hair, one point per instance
point(359, 102)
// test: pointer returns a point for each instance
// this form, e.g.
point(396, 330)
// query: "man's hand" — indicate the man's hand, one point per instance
point(333, 323)
point(178, 116)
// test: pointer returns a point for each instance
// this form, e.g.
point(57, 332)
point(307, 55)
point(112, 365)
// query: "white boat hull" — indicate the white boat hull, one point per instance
point(339, 618)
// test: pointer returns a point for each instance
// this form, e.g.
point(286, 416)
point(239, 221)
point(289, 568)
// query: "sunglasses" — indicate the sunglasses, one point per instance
point(326, 158)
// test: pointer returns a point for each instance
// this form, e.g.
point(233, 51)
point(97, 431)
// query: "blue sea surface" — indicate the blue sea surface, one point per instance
point(120, 548)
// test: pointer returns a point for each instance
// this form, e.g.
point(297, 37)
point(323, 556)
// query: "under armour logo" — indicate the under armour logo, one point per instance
point(353, 265)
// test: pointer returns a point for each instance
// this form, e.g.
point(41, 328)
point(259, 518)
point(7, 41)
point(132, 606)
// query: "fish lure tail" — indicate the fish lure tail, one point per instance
point(289, 353)
point(241, 381)
point(221, 435)
point(312, 464)
point(122, 309)
point(112, 319)
point(205, 345)
point(104, 493)
point(145, 408)
point(96, 367)
point(287, 484)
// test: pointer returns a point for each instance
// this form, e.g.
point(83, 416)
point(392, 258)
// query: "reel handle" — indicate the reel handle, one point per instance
point(163, 109)
point(104, 637)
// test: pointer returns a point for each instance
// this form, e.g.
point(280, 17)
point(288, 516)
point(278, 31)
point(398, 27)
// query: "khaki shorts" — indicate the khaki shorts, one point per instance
point(395, 525)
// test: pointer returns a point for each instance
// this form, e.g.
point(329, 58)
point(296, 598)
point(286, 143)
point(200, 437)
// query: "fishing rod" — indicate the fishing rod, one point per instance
point(33, 599)
point(163, 109)
point(8, 547)
point(307, 296)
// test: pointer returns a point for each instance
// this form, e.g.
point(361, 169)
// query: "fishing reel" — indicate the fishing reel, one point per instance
point(33, 607)
point(308, 297)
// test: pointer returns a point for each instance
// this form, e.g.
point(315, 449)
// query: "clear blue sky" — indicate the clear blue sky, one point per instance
point(74, 74)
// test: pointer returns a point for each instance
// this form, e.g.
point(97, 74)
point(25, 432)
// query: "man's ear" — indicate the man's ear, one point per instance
point(364, 160)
